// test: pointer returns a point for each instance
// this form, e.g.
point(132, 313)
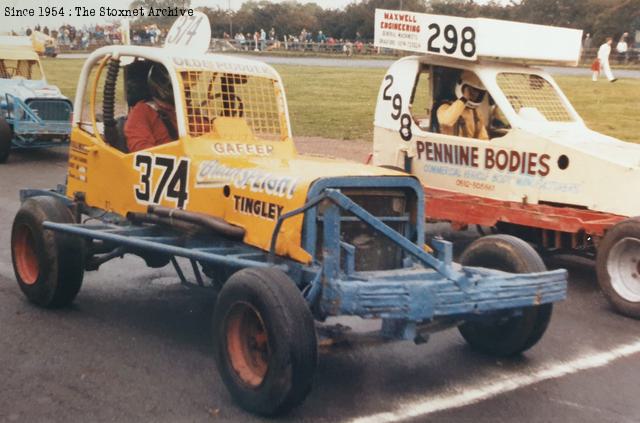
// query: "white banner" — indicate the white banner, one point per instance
point(423, 33)
point(470, 38)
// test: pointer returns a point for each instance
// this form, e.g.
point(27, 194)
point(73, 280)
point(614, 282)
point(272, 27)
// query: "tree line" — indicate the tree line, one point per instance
point(601, 18)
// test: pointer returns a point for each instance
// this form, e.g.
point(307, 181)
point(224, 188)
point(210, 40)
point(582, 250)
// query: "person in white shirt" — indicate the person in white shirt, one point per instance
point(622, 48)
point(603, 58)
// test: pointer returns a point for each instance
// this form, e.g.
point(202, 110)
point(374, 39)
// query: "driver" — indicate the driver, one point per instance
point(153, 122)
point(461, 117)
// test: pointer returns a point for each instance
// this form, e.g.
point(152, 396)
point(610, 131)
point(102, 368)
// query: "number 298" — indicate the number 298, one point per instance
point(465, 40)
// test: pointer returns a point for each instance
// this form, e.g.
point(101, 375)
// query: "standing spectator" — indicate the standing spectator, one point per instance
point(595, 68)
point(256, 41)
point(303, 37)
point(321, 39)
point(263, 40)
point(84, 41)
point(155, 34)
point(586, 43)
point(622, 48)
point(347, 48)
point(586, 46)
point(240, 41)
point(272, 34)
point(603, 58)
point(331, 44)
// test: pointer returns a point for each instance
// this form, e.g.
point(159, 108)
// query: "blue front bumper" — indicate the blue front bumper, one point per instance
point(423, 294)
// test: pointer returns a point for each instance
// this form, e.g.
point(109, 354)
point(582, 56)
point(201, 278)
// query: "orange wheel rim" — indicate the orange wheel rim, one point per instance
point(247, 344)
point(25, 255)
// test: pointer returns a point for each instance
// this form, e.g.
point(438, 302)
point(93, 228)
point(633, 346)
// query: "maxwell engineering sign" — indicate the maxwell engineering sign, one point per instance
point(468, 38)
point(424, 33)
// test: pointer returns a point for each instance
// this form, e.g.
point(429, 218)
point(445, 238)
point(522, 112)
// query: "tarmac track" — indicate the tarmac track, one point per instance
point(136, 347)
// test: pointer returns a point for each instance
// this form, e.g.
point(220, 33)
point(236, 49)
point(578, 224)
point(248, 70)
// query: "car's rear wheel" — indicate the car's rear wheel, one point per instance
point(505, 333)
point(618, 266)
point(6, 135)
point(49, 266)
point(265, 341)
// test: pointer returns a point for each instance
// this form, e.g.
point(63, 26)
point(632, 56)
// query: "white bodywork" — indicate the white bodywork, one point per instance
point(599, 169)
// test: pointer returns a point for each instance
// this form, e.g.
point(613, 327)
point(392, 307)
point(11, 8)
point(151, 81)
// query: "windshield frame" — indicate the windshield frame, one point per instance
point(488, 74)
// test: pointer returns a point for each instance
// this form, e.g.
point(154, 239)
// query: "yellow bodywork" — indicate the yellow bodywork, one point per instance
point(109, 179)
point(40, 41)
point(231, 173)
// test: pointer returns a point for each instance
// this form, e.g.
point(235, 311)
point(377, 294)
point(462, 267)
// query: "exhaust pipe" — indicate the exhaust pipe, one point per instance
point(214, 223)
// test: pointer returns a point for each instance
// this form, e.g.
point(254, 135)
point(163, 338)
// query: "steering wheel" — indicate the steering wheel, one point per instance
point(229, 97)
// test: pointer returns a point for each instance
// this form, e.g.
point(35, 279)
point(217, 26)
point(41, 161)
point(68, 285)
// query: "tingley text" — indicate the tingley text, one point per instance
point(260, 208)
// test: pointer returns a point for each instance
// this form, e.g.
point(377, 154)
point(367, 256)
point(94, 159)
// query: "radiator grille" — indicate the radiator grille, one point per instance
point(51, 109)
point(373, 251)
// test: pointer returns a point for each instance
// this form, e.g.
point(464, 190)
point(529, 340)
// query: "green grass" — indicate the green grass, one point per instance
point(340, 102)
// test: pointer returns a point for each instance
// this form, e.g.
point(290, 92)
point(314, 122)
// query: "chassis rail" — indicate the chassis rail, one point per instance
point(427, 289)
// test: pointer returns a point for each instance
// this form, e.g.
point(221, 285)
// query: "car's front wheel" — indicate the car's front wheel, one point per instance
point(6, 135)
point(505, 333)
point(265, 341)
point(49, 266)
point(618, 266)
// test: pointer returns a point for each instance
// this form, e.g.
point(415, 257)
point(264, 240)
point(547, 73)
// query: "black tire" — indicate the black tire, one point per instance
point(618, 266)
point(6, 135)
point(49, 266)
point(508, 335)
point(274, 377)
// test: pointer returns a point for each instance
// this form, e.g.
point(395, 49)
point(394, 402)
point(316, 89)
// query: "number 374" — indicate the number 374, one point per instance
point(172, 184)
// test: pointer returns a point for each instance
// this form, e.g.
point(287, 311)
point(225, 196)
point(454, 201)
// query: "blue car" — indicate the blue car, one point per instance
point(33, 113)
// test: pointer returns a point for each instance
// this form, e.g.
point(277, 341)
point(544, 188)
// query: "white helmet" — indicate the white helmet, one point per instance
point(477, 92)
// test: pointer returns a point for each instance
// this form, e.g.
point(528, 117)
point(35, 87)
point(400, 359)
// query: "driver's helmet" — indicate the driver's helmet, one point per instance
point(159, 83)
point(476, 92)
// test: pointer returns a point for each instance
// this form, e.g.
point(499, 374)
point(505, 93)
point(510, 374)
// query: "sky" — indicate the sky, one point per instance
point(17, 23)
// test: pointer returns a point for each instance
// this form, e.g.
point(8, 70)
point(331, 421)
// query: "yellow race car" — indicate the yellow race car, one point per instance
point(287, 240)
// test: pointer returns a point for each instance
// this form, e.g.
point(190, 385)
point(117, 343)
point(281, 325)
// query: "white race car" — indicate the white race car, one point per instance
point(540, 173)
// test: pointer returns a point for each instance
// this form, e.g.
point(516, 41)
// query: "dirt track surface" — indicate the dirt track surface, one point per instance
point(137, 347)
point(350, 150)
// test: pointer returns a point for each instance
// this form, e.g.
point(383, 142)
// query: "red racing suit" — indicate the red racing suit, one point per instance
point(145, 128)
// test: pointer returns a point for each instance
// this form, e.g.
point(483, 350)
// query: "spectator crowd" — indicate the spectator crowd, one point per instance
point(304, 41)
point(69, 37)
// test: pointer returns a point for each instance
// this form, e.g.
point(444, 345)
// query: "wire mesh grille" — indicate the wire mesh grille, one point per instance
point(51, 109)
point(526, 90)
point(27, 69)
point(256, 100)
